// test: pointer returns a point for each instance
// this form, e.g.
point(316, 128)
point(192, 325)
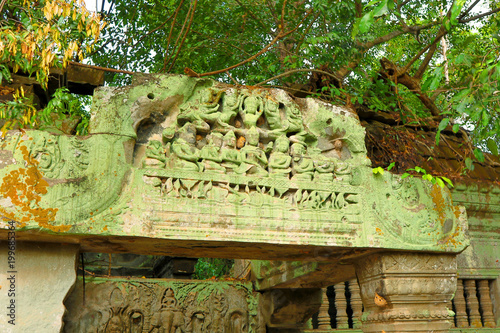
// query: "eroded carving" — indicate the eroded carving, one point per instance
point(164, 307)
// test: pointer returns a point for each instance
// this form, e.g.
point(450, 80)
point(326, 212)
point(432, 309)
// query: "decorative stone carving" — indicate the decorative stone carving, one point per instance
point(138, 305)
point(417, 288)
point(175, 159)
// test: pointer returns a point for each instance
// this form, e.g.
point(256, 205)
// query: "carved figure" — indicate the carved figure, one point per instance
point(231, 158)
point(230, 106)
point(273, 116)
point(293, 120)
point(251, 110)
point(202, 111)
point(136, 322)
point(302, 166)
point(254, 160)
point(185, 154)
point(323, 166)
point(237, 322)
point(169, 318)
point(195, 315)
point(155, 154)
point(279, 160)
point(210, 153)
point(219, 307)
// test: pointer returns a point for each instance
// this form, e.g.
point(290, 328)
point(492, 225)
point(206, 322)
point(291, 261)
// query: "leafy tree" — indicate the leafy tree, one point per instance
point(420, 58)
point(36, 36)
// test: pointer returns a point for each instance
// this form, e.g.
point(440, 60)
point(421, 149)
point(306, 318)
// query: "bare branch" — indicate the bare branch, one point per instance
point(165, 59)
point(479, 16)
point(468, 9)
point(185, 35)
point(298, 71)
point(423, 66)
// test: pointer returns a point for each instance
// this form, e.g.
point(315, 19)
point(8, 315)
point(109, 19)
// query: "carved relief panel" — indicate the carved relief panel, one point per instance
point(134, 306)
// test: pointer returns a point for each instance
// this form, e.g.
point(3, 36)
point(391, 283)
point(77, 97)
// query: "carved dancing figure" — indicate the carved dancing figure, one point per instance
point(279, 160)
point(230, 106)
point(201, 111)
point(254, 159)
point(231, 158)
point(184, 153)
point(302, 166)
point(210, 153)
point(250, 110)
point(169, 318)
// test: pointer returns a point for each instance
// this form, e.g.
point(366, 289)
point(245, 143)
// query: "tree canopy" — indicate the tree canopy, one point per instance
point(419, 58)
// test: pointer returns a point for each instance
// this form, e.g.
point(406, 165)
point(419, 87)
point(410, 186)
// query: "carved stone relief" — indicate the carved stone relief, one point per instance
point(113, 306)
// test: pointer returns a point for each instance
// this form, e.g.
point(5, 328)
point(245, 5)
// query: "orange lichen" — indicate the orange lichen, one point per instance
point(439, 203)
point(24, 187)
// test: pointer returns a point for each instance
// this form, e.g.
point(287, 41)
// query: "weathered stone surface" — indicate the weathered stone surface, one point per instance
point(295, 274)
point(288, 310)
point(160, 174)
point(35, 280)
point(140, 305)
point(407, 292)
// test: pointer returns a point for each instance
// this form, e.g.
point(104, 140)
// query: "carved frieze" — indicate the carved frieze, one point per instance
point(134, 306)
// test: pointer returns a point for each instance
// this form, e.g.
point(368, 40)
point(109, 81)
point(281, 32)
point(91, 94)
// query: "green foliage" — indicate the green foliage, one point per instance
point(439, 180)
point(35, 37)
point(62, 104)
point(207, 268)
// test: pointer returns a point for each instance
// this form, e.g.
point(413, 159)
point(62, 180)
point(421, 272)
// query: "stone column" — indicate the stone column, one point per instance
point(407, 292)
point(323, 315)
point(35, 279)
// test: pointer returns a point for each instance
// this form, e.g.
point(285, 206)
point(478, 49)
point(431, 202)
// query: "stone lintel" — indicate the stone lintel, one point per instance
point(194, 165)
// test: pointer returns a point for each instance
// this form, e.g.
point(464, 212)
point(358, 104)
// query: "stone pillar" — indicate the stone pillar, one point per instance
point(356, 303)
point(460, 308)
point(472, 303)
point(407, 292)
point(323, 315)
point(486, 305)
point(341, 306)
point(35, 279)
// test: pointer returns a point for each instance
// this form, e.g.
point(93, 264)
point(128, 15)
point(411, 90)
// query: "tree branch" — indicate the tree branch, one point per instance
point(479, 16)
point(165, 59)
point(423, 66)
point(298, 71)
point(392, 72)
point(185, 35)
point(192, 73)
